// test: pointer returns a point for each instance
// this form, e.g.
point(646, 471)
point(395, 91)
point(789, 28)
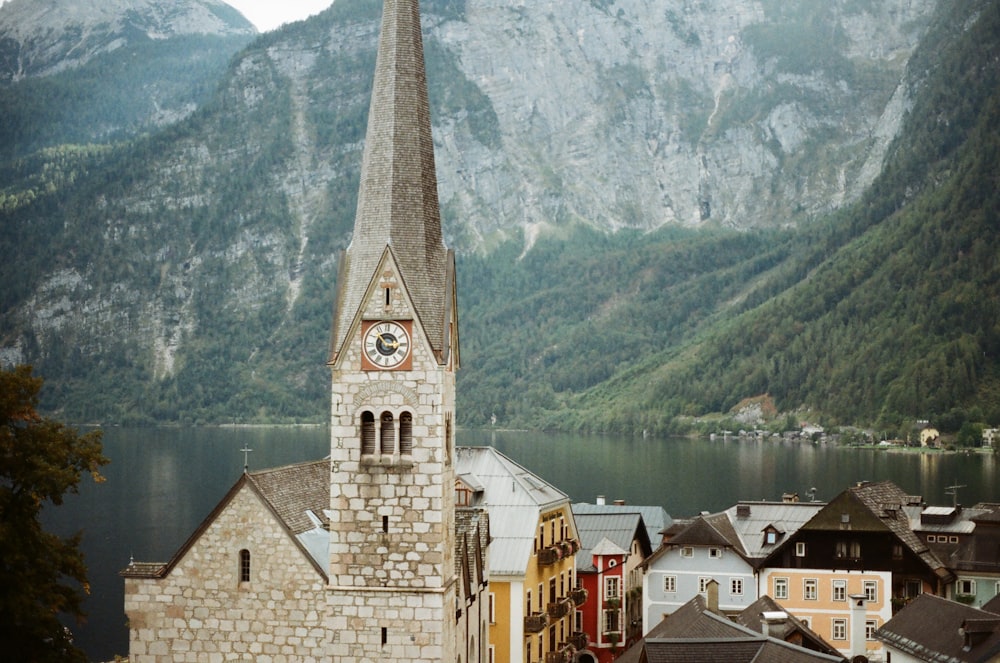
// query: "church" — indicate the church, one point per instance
point(363, 556)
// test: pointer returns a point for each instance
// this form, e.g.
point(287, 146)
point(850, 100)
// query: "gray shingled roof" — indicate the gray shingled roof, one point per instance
point(928, 629)
point(696, 634)
point(398, 199)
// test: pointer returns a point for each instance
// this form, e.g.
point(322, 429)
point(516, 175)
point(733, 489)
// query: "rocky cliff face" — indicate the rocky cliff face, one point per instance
point(40, 37)
point(216, 253)
point(635, 114)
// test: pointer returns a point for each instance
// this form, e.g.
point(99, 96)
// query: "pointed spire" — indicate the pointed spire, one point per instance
point(398, 200)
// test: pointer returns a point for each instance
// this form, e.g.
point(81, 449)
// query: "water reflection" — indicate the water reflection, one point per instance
point(162, 483)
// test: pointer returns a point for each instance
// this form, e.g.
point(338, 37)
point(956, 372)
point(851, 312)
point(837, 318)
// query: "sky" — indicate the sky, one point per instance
point(269, 14)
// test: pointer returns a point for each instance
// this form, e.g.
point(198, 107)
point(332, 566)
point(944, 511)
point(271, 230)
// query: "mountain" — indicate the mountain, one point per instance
point(96, 71)
point(633, 190)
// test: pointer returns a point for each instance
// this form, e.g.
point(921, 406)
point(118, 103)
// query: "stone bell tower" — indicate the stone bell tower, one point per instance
point(393, 356)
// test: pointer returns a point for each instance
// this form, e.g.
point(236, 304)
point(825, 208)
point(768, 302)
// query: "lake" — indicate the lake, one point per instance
point(162, 482)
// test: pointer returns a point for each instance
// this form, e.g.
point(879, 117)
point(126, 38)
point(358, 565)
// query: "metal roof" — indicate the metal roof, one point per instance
point(618, 529)
point(515, 499)
point(750, 519)
point(655, 518)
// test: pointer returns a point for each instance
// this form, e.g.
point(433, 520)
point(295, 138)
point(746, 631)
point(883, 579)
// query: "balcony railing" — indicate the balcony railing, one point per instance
point(562, 655)
point(560, 608)
point(550, 555)
point(535, 622)
point(578, 596)
point(579, 640)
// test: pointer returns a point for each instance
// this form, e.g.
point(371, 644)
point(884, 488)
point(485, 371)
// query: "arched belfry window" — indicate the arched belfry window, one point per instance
point(244, 565)
point(388, 434)
point(406, 434)
point(367, 433)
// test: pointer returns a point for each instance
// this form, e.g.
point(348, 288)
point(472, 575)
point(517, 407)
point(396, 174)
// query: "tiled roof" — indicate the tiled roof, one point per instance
point(696, 634)
point(293, 490)
point(398, 199)
point(752, 618)
point(931, 628)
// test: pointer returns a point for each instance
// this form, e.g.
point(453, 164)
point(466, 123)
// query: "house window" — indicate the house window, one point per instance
point(914, 588)
point(870, 627)
point(493, 608)
point(736, 586)
point(839, 629)
point(388, 434)
point(669, 584)
point(952, 539)
point(870, 590)
point(612, 587)
point(244, 565)
point(703, 583)
point(715, 553)
point(800, 549)
point(406, 434)
point(770, 537)
point(967, 587)
point(611, 618)
point(931, 538)
point(839, 590)
point(781, 588)
point(687, 552)
point(854, 550)
point(367, 433)
point(809, 589)
point(897, 551)
point(527, 601)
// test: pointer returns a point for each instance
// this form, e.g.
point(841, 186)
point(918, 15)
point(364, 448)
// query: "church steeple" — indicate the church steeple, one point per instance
point(398, 200)
point(394, 353)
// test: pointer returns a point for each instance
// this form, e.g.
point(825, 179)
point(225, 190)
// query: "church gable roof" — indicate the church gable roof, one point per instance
point(285, 492)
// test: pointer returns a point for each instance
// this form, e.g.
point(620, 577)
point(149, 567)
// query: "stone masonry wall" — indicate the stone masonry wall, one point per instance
point(201, 612)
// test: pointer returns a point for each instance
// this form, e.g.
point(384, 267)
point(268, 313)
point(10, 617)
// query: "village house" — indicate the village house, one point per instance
point(533, 592)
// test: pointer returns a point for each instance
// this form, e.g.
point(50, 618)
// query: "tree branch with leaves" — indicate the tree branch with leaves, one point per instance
point(42, 576)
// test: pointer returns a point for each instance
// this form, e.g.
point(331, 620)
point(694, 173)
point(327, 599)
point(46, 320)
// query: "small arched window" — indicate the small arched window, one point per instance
point(406, 434)
point(367, 433)
point(388, 434)
point(244, 565)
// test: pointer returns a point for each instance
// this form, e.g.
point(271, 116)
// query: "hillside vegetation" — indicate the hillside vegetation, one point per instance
point(187, 274)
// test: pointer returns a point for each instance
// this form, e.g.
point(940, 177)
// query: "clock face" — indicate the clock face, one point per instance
point(387, 344)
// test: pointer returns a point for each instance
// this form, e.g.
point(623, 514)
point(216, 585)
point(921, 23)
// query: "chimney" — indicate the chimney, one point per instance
point(600, 500)
point(712, 596)
point(619, 502)
point(773, 623)
point(858, 613)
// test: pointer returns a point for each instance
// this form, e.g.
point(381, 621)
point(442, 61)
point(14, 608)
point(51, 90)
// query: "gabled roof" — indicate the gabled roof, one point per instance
point(751, 519)
point(515, 498)
point(615, 530)
point(710, 530)
point(398, 198)
point(697, 634)
point(655, 518)
point(931, 628)
point(752, 617)
point(876, 507)
point(290, 494)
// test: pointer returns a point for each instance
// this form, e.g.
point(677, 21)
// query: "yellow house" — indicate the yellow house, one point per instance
point(532, 557)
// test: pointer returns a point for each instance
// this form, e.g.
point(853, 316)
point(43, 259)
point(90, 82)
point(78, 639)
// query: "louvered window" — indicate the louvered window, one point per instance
point(406, 434)
point(388, 434)
point(367, 433)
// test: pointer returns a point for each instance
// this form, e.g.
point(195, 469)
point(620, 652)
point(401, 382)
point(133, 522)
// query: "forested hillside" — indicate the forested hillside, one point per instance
point(886, 313)
point(187, 274)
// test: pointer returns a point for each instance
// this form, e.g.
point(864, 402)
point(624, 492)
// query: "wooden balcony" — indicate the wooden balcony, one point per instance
point(560, 608)
point(549, 556)
point(562, 655)
point(579, 640)
point(536, 622)
point(578, 596)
